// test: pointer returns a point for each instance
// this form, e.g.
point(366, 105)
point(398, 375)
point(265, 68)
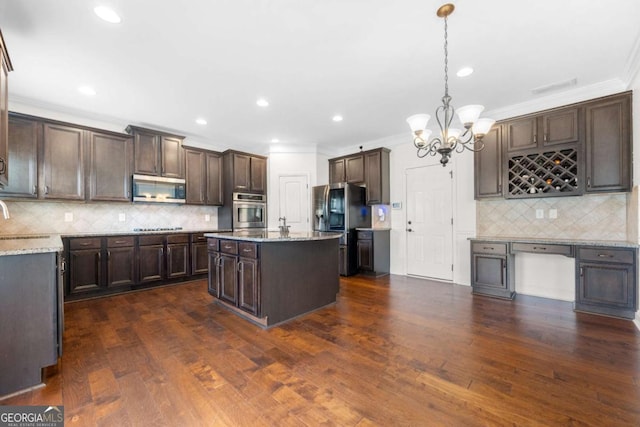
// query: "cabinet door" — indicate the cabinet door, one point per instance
point(365, 255)
point(84, 270)
point(560, 127)
point(488, 165)
point(151, 263)
point(373, 178)
point(336, 171)
point(489, 271)
point(607, 286)
point(258, 174)
point(23, 156)
point(63, 170)
point(199, 257)
point(228, 278)
point(248, 281)
point(4, 119)
point(111, 166)
point(177, 260)
point(146, 147)
point(521, 134)
point(214, 279)
point(172, 157)
point(608, 145)
point(214, 179)
point(354, 169)
point(120, 267)
point(195, 177)
point(241, 172)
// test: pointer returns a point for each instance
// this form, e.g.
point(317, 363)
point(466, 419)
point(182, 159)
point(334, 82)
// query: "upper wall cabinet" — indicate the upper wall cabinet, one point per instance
point(368, 168)
point(558, 126)
point(157, 153)
point(110, 167)
point(5, 67)
point(204, 177)
point(24, 137)
point(62, 173)
point(245, 172)
point(488, 165)
point(608, 144)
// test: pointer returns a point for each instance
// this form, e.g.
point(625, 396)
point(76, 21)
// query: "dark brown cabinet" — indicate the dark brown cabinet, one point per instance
point(488, 165)
point(24, 135)
point(5, 67)
point(177, 255)
point(606, 281)
point(204, 177)
point(376, 171)
point(157, 153)
point(558, 126)
point(608, 144)
point(85, 265)
point(234, 274)
point(373, 248)
point(121, 261)
point(492, 271)
point(213, 278)
point(368, 168)
point(63, 162)
point(110, 167)
point(199, 254)
point(245, 172)
point(151, 259)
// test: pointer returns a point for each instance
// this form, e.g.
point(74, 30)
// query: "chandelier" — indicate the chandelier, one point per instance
point(449, 139)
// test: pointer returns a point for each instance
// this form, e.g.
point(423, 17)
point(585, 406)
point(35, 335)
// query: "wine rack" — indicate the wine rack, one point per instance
point(549, 173)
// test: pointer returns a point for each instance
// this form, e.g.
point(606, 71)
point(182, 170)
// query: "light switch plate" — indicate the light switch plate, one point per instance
point(207, 217)
point(68, 217)
point(122, 217)
point(539, 213)
point(553, 213)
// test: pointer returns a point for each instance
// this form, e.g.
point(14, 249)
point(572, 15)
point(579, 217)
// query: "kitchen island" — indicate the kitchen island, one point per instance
point(271, 277)
point(31, 314)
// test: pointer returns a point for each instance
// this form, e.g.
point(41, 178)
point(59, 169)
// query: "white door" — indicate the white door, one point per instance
point(429, 222)
point(294, 201)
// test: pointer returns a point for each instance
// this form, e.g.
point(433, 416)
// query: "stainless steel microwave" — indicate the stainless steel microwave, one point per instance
point(156, 189)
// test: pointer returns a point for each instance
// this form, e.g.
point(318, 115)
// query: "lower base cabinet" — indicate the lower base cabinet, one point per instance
point(492, 270)
point(373, 252)
point(606, 281)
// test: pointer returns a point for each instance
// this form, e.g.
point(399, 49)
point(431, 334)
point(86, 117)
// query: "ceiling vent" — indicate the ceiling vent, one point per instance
point(555, 86)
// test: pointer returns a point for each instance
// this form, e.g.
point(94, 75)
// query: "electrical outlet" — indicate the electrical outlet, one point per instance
point(122, 217)
point(68, 217)
point(539, 213)
point(553, 213)
point(207, 217)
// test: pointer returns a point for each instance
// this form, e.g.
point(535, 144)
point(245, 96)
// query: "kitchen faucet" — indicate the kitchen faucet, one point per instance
point(284, 228)
point(5, 210)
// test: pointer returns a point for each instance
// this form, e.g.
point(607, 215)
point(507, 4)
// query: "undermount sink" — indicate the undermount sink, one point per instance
point(24, 237)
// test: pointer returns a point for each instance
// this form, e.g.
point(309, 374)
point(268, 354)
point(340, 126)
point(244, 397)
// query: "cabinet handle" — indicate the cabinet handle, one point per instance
point(119, 242)
point(539, 248)
point(85, 244)
point(605, 256)
point(489, 248)
point(535, 138)
point(246, 250)
point(240, 267)
point(581, 271)
point(589, 182)
point(202, 238)
point(3, 166)
point(34, 190)
point(546, 137)
point(108, 255)
point(46, 189)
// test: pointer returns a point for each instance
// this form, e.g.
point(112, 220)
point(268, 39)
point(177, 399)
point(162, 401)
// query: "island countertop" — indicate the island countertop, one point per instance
point(261, 235)
point(30, 244)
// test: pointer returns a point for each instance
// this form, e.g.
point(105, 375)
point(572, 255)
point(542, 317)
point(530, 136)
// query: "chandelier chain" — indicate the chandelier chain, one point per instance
point(446, 60)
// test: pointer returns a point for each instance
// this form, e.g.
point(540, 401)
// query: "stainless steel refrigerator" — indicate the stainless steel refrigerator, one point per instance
point(342, 208)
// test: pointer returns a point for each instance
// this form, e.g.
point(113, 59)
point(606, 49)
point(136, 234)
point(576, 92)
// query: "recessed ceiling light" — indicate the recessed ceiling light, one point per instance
point(337, 118)
point(275, 140)
point(464, 72)
point(87, 90)
point(201, 121)
point(261, 102)
point(107, 14)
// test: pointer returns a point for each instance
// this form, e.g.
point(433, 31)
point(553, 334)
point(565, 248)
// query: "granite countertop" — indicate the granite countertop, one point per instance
point(30, 244)
point(260, 235)
point(373, 229)
point(140, 233)
point(549, 241)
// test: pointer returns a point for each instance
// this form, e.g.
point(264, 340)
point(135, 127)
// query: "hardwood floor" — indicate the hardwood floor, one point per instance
point(392, 351)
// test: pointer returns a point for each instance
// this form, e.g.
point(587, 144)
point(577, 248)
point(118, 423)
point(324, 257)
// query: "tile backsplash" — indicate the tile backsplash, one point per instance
point(591, 217)
point(49, 217)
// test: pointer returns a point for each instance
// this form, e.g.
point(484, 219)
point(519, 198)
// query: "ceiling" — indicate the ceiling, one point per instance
point(374, 62)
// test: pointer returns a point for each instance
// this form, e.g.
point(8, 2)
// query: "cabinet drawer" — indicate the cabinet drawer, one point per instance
point(248, 250)
point(229, 247)
point(178, 238)
point(85, 243)
point(198, 238)
point(116, 242)
point(365, 235)
point(156, 239)
point(213, 244)
point(607, 254)
point(566, 250)
point(489, 248)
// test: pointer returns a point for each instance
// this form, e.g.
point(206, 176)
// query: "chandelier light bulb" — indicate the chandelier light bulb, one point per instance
point(482, 126)
point(469, 114)
point(418, 122)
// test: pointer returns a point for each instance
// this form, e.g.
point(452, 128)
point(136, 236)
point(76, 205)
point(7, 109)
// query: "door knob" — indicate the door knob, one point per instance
point(409, 230)
point(409, 222)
